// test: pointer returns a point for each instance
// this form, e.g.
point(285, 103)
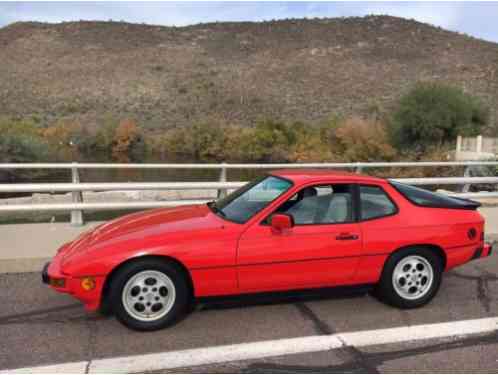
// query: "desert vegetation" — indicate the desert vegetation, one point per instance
point(432, 114)
point(423, 125)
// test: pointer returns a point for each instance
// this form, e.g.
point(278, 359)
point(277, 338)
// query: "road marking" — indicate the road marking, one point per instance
point(67, 368)
point(271, 348)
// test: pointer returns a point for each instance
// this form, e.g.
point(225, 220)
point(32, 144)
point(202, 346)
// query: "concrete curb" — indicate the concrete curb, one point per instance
point(27, 247)
point(22, 265)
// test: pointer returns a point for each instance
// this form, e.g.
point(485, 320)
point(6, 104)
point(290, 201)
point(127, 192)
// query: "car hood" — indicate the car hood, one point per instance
point(164, 220)
point(146, 224)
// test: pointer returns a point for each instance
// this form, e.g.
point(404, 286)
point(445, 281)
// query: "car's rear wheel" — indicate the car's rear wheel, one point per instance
point(148, 294)
point(411, 278)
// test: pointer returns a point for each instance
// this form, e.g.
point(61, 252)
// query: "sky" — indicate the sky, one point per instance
point(479, 19)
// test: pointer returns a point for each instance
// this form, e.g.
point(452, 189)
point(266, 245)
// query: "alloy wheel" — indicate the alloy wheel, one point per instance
point(413, 277)
point(148, 295)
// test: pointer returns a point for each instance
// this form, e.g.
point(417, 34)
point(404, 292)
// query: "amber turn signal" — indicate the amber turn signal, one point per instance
point(88, 283)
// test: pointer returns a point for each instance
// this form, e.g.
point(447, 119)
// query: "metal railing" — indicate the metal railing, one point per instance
point(76, 188)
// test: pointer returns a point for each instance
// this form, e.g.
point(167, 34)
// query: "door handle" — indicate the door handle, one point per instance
point(346, 237)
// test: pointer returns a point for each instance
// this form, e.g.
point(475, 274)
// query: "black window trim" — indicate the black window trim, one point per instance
point(354, 204)
point(358, 199)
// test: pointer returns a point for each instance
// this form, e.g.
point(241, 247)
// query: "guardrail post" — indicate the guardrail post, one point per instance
point(222, 193)
point(479, 144)
point(459, 144)
point(466, 173)
point(358, 169)
point(77, 197)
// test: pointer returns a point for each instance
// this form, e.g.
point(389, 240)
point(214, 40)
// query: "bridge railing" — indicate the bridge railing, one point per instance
point(76, 188)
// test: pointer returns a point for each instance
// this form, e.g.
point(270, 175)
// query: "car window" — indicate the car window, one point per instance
point(375, 203)
point(245, 202)
point(321, 204)
point(426, 198)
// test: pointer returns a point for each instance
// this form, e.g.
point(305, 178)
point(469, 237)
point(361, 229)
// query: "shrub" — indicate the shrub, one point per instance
point(127, 143)
point(199, 142)
point(266, 142)
point(275, 141)
point(433, 113)
point(21, 142)
point(269, 141)
point(311, 144)
point(357, 139)
point(208, 142)
point(64, 139)
point(104, 136)
point(311, 149)
point(23, 148)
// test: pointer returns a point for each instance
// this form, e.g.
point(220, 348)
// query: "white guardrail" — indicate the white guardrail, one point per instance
point(76, 188)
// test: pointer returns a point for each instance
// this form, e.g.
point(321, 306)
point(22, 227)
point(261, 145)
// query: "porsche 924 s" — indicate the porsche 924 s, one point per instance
point(290, 230)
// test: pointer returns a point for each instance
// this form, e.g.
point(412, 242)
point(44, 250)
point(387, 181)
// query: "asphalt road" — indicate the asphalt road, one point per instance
point(39, 327)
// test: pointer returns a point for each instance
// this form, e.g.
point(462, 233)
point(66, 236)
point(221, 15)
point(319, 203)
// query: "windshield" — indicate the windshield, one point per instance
point(247, 201)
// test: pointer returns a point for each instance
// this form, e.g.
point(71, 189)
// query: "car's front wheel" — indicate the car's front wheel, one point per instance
point(148, 294)
point(411, 278)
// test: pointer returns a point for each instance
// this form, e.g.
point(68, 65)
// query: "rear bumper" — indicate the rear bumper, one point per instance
point(483, 251)
point(457, 256)
point(488, 249)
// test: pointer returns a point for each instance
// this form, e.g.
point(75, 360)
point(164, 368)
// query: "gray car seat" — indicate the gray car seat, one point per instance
point(305, 209)
point(337, 209)
point(328, 208)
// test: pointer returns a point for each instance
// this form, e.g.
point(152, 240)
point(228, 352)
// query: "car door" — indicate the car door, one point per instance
point(321, 249)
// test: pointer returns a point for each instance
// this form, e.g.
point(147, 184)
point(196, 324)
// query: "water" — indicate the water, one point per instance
point(127, 175)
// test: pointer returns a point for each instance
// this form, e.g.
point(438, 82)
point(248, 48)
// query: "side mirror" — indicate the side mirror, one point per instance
point(281, 222)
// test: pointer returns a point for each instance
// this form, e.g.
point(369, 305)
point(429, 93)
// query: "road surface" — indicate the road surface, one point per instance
point(40, 327)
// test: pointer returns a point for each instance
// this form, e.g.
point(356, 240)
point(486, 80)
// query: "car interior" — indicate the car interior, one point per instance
point(320, 205)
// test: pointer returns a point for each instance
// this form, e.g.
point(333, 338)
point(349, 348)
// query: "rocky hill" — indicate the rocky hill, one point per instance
point(235, 72)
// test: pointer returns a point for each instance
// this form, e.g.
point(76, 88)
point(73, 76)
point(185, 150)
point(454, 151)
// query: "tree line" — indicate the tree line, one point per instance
point(422, 125)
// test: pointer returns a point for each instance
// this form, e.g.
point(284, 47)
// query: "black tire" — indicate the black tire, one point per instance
point(386, 290)
point(182, 299)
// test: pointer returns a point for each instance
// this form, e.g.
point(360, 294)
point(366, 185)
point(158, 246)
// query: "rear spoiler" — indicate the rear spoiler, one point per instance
point(467, 204)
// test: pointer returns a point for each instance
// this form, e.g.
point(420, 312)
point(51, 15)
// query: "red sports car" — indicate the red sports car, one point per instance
point(290, 230)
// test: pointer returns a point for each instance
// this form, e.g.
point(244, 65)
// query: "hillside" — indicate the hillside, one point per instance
point(236, 72)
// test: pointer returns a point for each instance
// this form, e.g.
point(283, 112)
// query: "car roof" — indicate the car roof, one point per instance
point(304, 175)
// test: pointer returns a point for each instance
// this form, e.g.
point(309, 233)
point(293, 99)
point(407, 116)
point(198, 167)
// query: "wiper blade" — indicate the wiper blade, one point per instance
point(212, 205)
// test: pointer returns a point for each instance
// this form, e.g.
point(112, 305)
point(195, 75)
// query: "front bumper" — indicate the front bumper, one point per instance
point(63, 283)
point(45, 277)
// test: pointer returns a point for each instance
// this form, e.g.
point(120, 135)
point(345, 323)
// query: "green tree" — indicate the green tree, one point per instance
point(433, 113)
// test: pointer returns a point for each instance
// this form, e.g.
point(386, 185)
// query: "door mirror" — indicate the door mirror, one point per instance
point(281, 222)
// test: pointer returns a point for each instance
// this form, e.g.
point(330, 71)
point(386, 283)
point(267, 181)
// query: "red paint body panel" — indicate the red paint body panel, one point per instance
point(306, 256)
point(226, 258)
